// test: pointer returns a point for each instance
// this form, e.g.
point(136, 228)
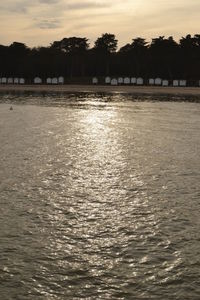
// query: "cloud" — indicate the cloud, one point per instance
point(87, 5)
point(28, 6)
point(42, 21)
point(48, 24)
point(14, 6)
point(49, 1)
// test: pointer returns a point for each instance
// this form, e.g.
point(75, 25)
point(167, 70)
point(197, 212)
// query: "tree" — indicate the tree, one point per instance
point(134, 56)
point(190, 55)
point(164, 54)
point(104, 50)
point(106, 43)
point(75, 48)
point(15, 59)
point(71, 45)
point(19, 49)
point(72, 58)
point(188, 43)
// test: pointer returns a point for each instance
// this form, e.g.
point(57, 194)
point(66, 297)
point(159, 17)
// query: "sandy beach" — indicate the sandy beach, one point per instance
point(135, 90)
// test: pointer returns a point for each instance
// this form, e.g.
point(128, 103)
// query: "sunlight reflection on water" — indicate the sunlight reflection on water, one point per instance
point(99, 199)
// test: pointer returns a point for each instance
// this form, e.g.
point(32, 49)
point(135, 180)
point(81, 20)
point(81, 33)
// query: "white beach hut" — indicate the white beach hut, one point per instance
point(94, 80)
point(16, 80)
point(175, 83)
point(120, 80)
point(48, 80)
point(151, 81)
point(140, 81)
point(10, 80)
point(127, 80)
point(21, 81)
point(107, 80)
point(158, 81)
point(3, 80)
point(114, 81)
point(182, 83)
point(54, 80)
point(133, 80)
point(61, 80)
point(165, 82)
point(37, 80)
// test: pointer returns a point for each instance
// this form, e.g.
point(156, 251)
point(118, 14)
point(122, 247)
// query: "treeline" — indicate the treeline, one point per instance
point(74, 58)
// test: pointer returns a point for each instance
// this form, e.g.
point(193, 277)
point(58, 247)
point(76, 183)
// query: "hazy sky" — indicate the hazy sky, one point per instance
point(40, 22)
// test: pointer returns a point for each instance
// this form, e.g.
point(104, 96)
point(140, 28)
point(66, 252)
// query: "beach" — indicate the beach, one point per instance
point(135, 90)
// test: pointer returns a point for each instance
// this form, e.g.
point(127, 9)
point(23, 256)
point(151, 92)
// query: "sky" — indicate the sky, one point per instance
point(40, 22)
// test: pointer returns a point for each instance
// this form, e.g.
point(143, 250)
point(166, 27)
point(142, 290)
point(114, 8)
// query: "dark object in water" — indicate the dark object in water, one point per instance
point(11, 108)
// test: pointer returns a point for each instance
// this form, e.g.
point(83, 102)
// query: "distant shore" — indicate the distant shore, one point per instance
point(134, 90)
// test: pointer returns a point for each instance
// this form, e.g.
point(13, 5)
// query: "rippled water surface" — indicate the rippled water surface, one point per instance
point(99, 198)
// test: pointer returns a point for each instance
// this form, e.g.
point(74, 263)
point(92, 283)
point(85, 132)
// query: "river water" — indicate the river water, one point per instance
point(99, 198)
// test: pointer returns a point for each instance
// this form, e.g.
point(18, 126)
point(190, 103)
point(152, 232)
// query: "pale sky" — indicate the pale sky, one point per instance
point(40, 22)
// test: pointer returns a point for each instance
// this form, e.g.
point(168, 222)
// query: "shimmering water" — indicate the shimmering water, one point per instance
point(99, 198)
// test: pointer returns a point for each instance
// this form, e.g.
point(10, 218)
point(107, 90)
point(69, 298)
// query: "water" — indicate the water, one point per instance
point(99, 198)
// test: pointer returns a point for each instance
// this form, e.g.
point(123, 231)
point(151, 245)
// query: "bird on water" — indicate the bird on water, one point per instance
point(11, 108)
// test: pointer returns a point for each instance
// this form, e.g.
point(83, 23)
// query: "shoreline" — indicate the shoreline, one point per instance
point(134, 90)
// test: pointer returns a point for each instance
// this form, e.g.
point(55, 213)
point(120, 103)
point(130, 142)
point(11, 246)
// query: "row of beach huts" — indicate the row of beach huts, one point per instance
point(107, 80)
point(36, 80)
point(140, 81)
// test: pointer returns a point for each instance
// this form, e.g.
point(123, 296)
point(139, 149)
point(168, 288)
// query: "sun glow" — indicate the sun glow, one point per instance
point(41, 22)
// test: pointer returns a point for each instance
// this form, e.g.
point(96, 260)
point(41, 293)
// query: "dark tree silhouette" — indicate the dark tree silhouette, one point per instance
point(163, 52)
point(75, 48)
point(71, 45)
point(135, 56)
point(72, 58)
point(106, 43)
point(104, 49)
point(190, 56)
